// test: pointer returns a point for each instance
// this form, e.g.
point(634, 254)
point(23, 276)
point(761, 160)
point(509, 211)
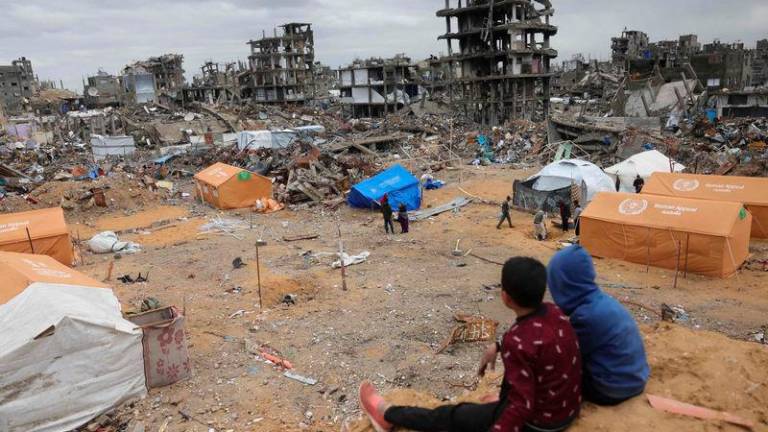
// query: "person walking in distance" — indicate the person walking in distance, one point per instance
point(402, 218)
point(565, 215)
point(577, 216)
point(639, 183)
point(505, 214)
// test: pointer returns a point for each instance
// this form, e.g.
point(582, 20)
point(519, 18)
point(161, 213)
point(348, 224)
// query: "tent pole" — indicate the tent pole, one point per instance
point(258, 276)
point(341, 260)
point(648, 252)
point(29, 238)
point(687, 241)
point(678, 243)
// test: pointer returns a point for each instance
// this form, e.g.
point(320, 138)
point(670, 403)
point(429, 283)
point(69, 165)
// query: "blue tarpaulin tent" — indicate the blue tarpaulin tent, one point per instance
point(399, 185)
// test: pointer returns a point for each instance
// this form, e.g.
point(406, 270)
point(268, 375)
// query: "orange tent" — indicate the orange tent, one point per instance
point(227, 187)
point(22, 270)
point(48, 234)
point(705, 237)
point(752, 192)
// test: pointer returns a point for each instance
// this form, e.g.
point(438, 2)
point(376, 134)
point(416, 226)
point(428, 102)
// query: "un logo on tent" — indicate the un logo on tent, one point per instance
point(684, 185)
point(633, 207)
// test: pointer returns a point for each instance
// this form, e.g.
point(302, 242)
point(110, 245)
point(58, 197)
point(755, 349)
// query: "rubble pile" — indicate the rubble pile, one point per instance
point(734, 147)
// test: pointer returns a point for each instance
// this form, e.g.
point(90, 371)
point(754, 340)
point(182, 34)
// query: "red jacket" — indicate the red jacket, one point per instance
point(542, 372)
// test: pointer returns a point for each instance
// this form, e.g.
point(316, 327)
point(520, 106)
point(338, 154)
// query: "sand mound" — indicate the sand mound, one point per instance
point(701, 368)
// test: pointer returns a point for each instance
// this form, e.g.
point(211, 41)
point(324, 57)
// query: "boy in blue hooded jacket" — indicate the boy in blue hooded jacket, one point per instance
point(613, 357)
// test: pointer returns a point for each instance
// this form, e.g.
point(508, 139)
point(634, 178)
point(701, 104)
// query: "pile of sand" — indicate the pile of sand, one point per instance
point(700, 368)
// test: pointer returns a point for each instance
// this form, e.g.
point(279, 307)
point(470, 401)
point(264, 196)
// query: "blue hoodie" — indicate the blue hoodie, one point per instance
point(611, 346)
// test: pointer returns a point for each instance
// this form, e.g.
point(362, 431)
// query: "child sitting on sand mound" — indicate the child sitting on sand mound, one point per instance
point(542, 370)
point(613, 355)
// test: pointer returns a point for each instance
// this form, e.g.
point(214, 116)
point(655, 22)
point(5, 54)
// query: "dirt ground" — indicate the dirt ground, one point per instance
point(397, 311)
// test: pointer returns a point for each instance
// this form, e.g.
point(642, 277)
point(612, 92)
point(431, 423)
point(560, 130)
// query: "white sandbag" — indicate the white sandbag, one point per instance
point(108, 242)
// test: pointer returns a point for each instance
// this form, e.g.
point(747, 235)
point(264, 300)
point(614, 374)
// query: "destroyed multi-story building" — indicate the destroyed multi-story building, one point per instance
point(217, 83)
point(167, 71)
point(17, 85)
point(721, 65)
point(688, 45)
point(138, 85)
point(501, 70)
point(632, 44)
point(102, 90)
point(375, 87)
point(716, 65)
point(282, 66)
point(760, 64)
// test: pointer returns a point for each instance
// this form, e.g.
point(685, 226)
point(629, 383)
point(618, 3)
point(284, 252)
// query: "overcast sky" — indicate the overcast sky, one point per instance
point(67, 40)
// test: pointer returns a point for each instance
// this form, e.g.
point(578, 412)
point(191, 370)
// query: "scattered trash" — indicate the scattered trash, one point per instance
point(299, 378)
point(681, 408)
point(351, 259)
point(470, 329)
point(673, 313)
point(277, 361)
point(238, 263)
point(428, 213)
point(127, 279)
point(290, 299)
point(150, 304)
point(237, 314)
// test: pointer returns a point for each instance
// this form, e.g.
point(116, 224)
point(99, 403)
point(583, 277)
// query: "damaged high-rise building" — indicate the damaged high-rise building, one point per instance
point(282, 66)
point(717, 65)
point(375, 87)
point(501, 69)
point(630, 45)
point(167, 71)
point(760, 64)
point(217, 83)
point(102, 90)
point(17, 85)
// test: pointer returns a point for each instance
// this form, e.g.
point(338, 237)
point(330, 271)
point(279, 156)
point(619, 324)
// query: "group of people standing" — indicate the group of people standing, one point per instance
point(539, 219)
point(402, 216)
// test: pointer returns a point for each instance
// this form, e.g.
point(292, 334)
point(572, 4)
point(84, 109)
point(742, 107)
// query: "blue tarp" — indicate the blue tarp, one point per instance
point(399, 185)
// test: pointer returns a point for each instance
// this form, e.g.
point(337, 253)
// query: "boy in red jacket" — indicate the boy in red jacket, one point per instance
point(541, 391)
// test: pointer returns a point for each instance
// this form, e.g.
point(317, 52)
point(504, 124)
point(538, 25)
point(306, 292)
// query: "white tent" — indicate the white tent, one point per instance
point(564, 173)
point(67, 355)
point(644, 164)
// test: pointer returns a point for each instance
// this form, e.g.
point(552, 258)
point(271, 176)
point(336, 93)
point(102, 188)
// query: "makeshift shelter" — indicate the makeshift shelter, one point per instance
point(105, 146)
point(752, 192)
point(643, 164)
point(705, 237)
point(226, 187)
point(67, 354)
point(42, 232)
point(400, 186)
point(264, 139)
point(554, 183)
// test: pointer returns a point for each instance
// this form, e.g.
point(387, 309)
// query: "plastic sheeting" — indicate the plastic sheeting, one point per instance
point(67, 356)
point(264, 139)
point(644, 164)
point(397, 183)
point(564, 173)
point(104, 146)
point(530, 199)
